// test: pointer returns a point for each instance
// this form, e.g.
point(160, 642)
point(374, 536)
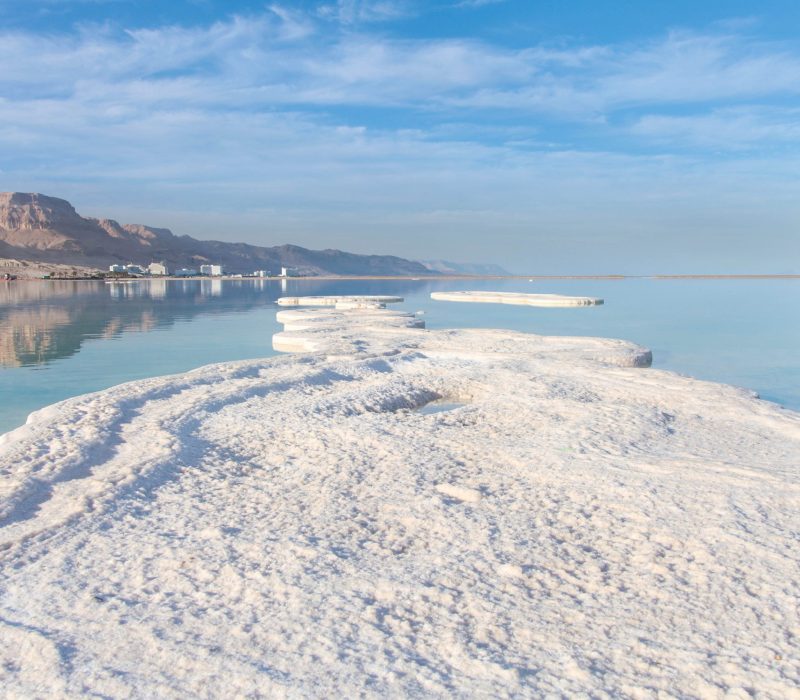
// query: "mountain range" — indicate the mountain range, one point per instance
point(46, 229)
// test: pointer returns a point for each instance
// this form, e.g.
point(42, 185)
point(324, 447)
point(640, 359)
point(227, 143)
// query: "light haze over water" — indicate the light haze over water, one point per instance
point(62, 339)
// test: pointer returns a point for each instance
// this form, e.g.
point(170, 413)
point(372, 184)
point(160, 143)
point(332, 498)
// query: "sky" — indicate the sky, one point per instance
point(573, 137)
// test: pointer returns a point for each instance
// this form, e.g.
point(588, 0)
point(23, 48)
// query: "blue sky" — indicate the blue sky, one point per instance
point(571, 137)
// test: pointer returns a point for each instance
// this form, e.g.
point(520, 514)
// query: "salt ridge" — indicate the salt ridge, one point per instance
point(579, 525)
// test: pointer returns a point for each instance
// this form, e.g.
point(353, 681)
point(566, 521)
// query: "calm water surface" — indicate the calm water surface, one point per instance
point(60, 339)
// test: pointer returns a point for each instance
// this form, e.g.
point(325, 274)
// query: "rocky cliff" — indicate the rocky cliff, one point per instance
point(47, 229)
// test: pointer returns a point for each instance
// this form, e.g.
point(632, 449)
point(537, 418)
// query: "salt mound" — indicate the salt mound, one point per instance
point(294, 527)
point(516, 299)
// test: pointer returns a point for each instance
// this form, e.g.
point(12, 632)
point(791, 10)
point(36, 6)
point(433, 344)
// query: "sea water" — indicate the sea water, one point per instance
point(61, 339)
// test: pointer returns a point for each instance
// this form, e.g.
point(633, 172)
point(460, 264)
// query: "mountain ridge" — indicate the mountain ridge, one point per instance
point(47, 229)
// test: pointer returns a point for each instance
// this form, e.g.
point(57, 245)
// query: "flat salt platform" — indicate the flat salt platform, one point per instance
point(517, 299)
point(315, 329)
point(575, 525)
point(358, 299)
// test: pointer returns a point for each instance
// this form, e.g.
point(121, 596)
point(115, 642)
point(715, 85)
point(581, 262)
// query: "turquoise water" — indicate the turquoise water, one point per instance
point(60, 339)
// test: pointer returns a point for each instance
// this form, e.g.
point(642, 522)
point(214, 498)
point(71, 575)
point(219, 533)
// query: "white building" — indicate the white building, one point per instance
point(158, 268)
point(212, 270)
point(116, 268)
point(261, 273)
point(133, 269)
point(284, 272)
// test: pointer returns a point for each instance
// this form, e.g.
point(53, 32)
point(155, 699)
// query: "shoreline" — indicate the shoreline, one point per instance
point(421, 278)
point(749, 374)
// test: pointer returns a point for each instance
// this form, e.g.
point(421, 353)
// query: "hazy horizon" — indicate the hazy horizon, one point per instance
point(655, 140)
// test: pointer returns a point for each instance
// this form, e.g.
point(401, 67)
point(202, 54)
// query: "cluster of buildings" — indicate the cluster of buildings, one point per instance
point(155, 269)
point(159, 269)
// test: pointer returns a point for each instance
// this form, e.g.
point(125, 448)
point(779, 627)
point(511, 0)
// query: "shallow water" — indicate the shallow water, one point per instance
point(60, 339)
point(434, 407)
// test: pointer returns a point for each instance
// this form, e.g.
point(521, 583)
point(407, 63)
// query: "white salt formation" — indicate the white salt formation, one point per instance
point(348, 301)
point(576, 525)
point(321, 328)
point(517, 299)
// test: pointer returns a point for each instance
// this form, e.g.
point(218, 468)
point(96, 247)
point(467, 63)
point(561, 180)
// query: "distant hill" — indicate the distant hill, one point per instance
point(47, 229)
point(450, 268)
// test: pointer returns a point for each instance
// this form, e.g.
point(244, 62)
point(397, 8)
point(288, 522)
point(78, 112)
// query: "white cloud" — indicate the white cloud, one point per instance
point(349, 12)
point(477, 3)
point(281, 58)
point(683, 69)
point(728, 129)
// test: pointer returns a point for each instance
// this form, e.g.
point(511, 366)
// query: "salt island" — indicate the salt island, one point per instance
point(516, 298)
point(350, 300)
point(577, 524)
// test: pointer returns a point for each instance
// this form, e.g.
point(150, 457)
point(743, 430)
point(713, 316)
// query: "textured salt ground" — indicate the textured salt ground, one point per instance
point(294, 527)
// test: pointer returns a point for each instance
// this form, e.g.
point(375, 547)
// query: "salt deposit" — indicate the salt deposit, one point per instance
point(516, 299)
point(344, 301)
point(577, 525)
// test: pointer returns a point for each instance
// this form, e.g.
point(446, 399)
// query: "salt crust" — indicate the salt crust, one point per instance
point(515, 298)
point(291, 527)
point(348, 301)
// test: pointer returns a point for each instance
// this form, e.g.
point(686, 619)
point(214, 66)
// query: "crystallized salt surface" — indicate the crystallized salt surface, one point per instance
point(517, 299)
point(579, 526)
point(347, 300)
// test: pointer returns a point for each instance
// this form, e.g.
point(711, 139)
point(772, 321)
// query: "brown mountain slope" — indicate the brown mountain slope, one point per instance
point(47, 229)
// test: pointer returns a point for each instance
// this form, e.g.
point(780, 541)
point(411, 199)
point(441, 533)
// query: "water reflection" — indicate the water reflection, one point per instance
point(44, 321)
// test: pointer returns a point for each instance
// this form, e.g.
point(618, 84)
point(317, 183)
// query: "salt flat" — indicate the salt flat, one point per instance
point(580, 525)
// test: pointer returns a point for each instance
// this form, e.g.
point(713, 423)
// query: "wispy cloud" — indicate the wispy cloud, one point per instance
point(477, 3)
point(282, 57)
point(731, 128)
point(350, 12)
point(681, 69)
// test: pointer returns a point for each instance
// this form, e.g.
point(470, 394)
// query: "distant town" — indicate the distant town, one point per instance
point(160, 269)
